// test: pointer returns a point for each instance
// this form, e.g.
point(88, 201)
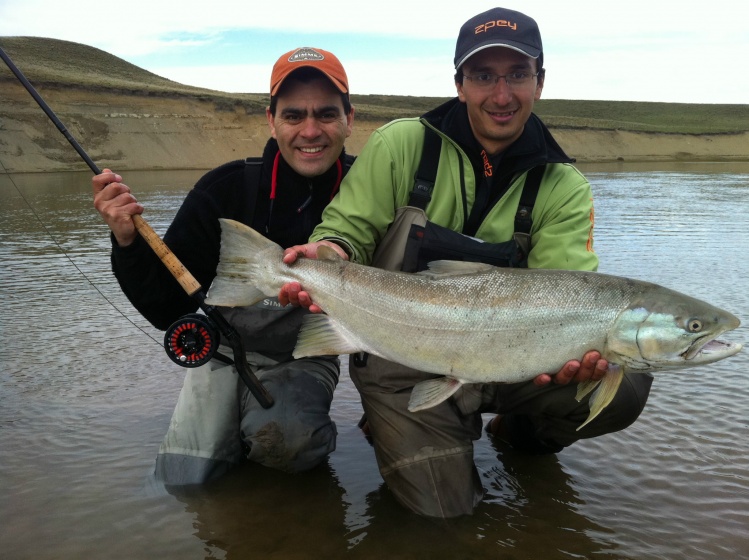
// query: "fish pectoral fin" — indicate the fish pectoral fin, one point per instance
point(432, 392)
point(320, 336)
point(608, 387)
point(584, 388)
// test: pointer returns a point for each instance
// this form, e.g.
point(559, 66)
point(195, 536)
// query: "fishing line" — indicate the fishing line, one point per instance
point(193, 339)
point(70, 259)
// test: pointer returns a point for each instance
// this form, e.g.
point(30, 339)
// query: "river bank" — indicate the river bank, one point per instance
point(127, 131)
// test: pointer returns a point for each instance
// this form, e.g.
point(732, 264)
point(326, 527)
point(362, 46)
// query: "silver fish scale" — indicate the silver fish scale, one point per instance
point(481, 324)
point(478, 327)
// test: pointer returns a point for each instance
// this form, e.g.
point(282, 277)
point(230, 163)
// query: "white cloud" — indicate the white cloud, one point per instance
point(641, 50)
point(365, 77)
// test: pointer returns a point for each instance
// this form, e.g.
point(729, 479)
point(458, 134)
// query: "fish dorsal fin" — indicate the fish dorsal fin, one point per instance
point(455, 268)
point(325, 253)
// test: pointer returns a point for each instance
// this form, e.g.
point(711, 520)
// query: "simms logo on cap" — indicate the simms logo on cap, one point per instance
point(305, 54)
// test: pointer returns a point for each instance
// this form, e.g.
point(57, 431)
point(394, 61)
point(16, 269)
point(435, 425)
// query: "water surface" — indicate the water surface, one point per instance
point(86, 394)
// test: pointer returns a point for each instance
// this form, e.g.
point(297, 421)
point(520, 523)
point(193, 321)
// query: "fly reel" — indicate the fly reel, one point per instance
point(192, 340)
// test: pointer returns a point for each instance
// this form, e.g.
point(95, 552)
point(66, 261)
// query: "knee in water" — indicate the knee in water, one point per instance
point(291, 448)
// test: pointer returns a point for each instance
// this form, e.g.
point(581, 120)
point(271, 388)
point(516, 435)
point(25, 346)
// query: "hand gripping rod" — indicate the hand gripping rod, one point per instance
point(176, 268)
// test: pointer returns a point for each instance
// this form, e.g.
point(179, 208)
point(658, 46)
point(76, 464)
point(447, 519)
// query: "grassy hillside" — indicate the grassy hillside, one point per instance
point(682, 118)
point(55, 63)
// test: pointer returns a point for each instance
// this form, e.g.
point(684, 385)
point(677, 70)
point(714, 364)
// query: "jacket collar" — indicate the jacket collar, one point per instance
point(536, 145)
point(288, 174)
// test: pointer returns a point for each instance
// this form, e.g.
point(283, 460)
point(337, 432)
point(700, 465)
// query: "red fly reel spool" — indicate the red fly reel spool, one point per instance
point(192, 340)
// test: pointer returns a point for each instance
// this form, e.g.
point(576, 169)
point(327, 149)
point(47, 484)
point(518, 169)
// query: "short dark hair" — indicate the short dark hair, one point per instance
point(304, 76)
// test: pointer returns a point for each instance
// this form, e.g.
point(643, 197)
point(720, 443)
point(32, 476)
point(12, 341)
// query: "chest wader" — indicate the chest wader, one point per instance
point(412, 241)
point(426, 458)
point(216, 424)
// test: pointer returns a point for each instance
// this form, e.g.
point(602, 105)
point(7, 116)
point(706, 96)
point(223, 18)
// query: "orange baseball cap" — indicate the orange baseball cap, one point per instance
point(324, 61)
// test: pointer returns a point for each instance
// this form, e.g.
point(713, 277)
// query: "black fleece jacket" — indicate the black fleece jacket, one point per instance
point(195, 234)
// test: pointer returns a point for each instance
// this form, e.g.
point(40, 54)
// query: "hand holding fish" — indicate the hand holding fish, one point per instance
point(116, 205)
point(590, 368)
point(292, 293)
point(309, 250)
point(434, 320)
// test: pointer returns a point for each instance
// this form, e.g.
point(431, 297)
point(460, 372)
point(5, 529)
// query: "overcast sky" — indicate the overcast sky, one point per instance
point(635, 50)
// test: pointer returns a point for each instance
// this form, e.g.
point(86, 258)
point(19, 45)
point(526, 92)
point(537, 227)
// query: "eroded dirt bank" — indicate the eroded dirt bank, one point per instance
point(140, 132)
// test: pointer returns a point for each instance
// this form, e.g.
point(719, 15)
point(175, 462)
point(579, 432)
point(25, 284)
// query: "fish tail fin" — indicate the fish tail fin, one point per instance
point(248, 268)
point(432, 392)
point(608, 387)
point(320, 336)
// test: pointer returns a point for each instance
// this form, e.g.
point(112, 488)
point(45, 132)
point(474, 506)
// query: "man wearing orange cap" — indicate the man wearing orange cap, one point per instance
point(282, 195)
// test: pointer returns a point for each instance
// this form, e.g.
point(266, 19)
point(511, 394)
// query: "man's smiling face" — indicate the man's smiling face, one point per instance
point(498, 112)
point(310, 125)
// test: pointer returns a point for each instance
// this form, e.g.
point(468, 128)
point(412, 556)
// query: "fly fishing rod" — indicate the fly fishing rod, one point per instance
point(192, 340)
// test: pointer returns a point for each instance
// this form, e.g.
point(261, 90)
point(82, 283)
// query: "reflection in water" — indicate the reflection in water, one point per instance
point(254, 511)
point(536, 496)
point(86, 394)
point(243, 515)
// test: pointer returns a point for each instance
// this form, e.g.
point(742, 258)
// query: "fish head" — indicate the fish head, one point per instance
point(667, 330)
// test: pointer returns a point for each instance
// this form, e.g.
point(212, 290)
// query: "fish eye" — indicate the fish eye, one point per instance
point(694, 325)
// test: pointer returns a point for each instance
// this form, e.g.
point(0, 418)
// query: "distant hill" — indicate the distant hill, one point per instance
point(63, 63)
point(128, 118)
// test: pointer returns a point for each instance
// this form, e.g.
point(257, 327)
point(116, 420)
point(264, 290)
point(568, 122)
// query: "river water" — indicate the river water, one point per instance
point(86, 394)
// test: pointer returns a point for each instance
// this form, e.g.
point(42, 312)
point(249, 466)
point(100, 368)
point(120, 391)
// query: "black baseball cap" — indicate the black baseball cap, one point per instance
point(499, 27)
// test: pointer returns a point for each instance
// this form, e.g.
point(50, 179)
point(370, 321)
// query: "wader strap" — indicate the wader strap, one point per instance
point(523, 219)
point(426, 175)
point(390, 252)
point(252, 168)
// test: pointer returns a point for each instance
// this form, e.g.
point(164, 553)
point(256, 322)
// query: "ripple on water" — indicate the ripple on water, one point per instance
point(86, 396)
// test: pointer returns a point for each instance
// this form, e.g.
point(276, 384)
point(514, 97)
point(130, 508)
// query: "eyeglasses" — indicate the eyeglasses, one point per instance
point(488, 80)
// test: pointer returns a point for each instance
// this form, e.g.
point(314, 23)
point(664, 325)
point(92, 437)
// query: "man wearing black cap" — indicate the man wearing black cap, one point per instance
point(217, 422)
point(496, 175)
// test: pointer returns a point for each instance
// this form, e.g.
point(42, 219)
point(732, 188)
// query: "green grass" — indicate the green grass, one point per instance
point(55, 63)
point(689, 118)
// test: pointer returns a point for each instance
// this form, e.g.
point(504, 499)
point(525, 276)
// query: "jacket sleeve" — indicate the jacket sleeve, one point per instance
point(194, 237)
point(563, 217)
point(377, 184)
point(148, 285)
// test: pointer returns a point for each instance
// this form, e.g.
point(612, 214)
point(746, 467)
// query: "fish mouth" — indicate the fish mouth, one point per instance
point(711, 351)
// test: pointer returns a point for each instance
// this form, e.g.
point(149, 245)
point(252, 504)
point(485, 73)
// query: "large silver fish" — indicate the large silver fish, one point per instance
point(475, 323)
